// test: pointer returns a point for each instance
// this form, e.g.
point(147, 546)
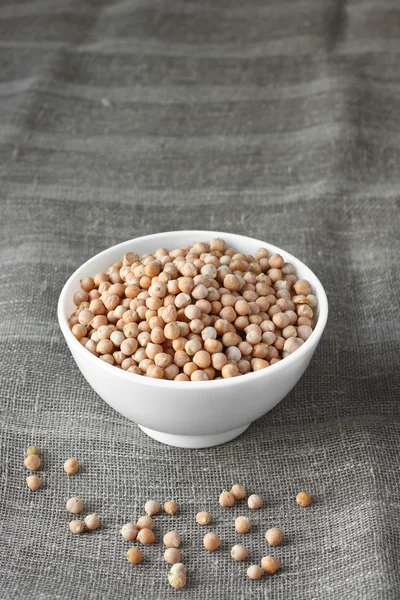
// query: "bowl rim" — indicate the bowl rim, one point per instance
point(198, 385)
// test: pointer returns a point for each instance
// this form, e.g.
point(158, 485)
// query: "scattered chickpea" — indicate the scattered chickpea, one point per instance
point(33, 482)
point(146, 536)
point(71, 466)
point(134, 556)
point(75, 505)
point(254, 572)
point(170, 507)
point(303, 499)
point(76, 526)
point(211, 541)
point(226, 499)
point(172, 539)
point(32, 450)
point(92, 522)
point(255, 501)
point(238, 491)
point(239, 552)
point(274, 536)
point(129, 532)
point(177, 576)
point(32, 462)
point(152, 508)
point(172, 556)
point(270, 564)
point(144, 522)
point(242, 524)
point(203, 518)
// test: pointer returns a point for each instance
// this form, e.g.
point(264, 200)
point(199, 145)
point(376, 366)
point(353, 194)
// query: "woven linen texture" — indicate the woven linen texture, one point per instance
point(279, 120)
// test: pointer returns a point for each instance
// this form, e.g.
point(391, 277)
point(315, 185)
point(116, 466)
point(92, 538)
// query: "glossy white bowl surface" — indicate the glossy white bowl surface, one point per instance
point(190, 414)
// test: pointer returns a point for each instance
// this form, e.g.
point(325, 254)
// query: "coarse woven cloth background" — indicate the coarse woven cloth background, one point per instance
point(275, 119)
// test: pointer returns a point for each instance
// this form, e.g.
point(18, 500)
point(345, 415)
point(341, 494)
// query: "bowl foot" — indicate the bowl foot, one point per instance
point(194, 441)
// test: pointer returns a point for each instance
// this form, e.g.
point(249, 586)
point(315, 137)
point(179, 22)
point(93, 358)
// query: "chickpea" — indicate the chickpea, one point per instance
point(254, 502)
point(172, 539)
point(274, 536)
point(303, 499)
point(254, 572)
point(242, 524)
point(270, 564)
point(172, 556)
point(134, 556)
point(144, 522)
point(146, 536)
point(211, 542)
point(171, 507)
point(226, 499)
point(239, 552)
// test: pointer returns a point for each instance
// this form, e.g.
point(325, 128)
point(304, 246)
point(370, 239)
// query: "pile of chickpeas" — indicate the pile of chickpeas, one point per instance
point(196, 313)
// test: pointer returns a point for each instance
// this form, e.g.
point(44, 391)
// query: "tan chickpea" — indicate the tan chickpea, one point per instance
point(229, 370)
point(172, 539)
point(274, 536)
point(177, 576)
point(32, 462)
point(303, 499)
point(129, 532)
point(170, 507)
point(238, 491)
point(33, 482)
point(71, 466)
point(144, 522)
point(270, 564)
point(239, 552)
point(134, 556)
point(146, 536)
point(255, 502)
point(105, 347)
point(172, 556)
point(226, 499)
point(254, 572)
point(152, 507)
point(202, 359)
point(76, 526)
point(203, 518)
point(213, 346)
point(211, 542)
point(242, 524)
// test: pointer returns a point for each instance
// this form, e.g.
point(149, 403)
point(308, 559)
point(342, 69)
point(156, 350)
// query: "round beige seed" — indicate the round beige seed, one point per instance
point(274, 536)
point(76, 526)
point(242, 524)
point(146, 536)
point(129, 532)
point(177, 576)
point(211, 541)
point(172, 539)
point(172, 556)
point(92, 522)
point(144, 522)
point(71, 466)
point(254, 572)
point(33, 482)
point(203, 518)
point(255, 501)
point(226, 499)
point(270, 564)
point(134, 556)
point(152, 507)
point(75, 505)
point(303, 499)
point(239, 552)
point(32, 462)
point(170, 507)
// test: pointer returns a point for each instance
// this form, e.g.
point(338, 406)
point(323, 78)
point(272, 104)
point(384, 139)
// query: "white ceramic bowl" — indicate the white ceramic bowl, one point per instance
point(190, 414)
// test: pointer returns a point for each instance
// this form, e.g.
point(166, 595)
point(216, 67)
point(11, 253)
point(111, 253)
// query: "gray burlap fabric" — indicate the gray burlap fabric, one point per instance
point(275, 119)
